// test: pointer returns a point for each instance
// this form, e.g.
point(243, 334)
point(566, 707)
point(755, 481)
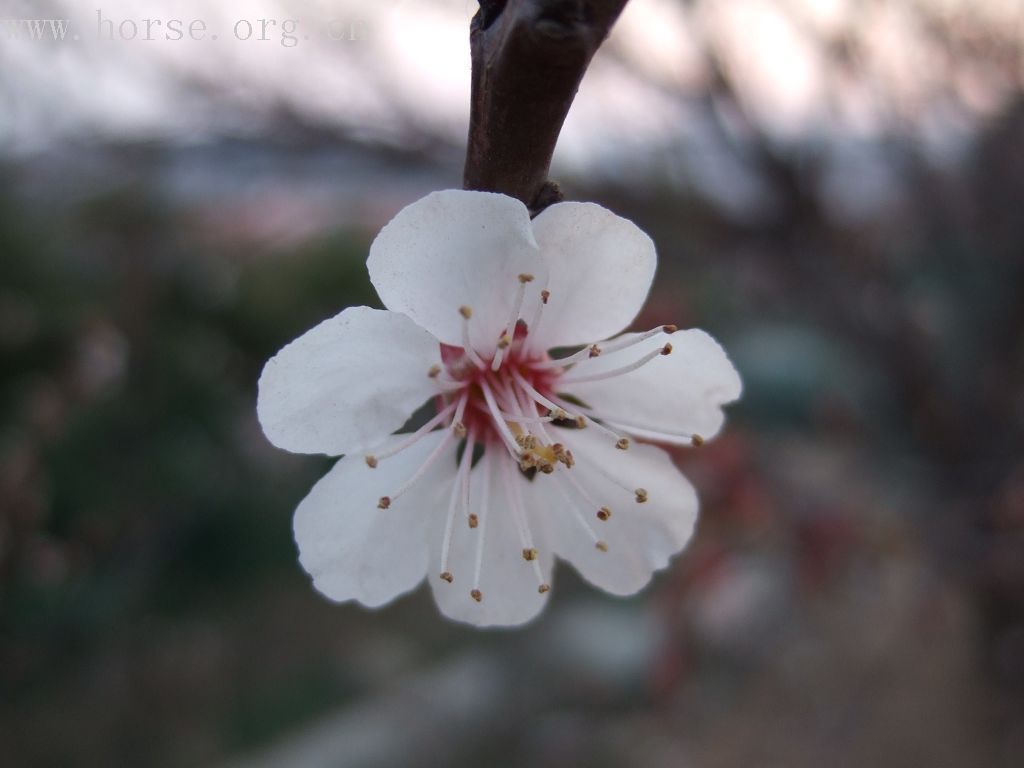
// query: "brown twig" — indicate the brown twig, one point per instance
point(529, 57)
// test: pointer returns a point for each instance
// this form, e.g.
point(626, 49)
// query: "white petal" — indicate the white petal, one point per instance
point(451, 249)
point(600, 269)
point(355, 551)
point(508, 582)
point(641, 538)
point(348, 383)
point(682, 392)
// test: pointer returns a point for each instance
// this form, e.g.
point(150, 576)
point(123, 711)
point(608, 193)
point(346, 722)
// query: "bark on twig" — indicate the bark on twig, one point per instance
point(529, 57)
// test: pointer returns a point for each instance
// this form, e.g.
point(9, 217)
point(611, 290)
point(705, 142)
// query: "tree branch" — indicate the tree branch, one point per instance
point(529, 57)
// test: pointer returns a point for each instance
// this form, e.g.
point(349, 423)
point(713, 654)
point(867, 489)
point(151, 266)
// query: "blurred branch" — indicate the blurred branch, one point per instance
point(529, 57)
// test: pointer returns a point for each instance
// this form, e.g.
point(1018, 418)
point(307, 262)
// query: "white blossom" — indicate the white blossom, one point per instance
point(529, 456)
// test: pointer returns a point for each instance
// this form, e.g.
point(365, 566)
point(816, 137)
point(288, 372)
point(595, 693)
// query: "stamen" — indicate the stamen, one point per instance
point(574, 508)
point(586, 353)
point(538, 312)
point(460, 497)
point(584, 420)
point(655, 431)
point(467, 345)
point(485, 495)
point(599, 468)
point(373, 459)
point(617, 345)
point(605, 348)
point(603, 514)
point(665, 350)
point(506, 337)
point(519, 512)
point(386, 501)
point(586, 496)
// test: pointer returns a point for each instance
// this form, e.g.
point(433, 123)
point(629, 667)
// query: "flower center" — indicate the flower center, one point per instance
point(514, 399)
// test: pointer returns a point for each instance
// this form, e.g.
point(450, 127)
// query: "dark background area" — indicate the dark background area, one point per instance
point(854, 594)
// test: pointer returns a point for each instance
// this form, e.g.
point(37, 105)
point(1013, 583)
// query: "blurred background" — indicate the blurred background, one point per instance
point(836, 188)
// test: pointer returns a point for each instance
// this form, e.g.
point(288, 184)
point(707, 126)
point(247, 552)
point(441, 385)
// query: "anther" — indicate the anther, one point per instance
point(601, 545)
point(641, 495)
point(459, 429)
point(474, 521)
point(569, 461)
point(525, 278)
point(530, 554)
point(667, 349)
point(670, 328)
point(622, 444)
point(595, 351)
point(544, 588)
point(466, 312)
point(505, 341)
point(384, 503)
point(476, 594)
point(603, 513)
point(697, 441)
point(547, 467)
point(434, 371)
point(447, 576)
point(544, 296)
point(581, 422)
point(371, 461)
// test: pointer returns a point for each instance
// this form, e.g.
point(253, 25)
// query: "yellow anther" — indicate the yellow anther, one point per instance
point(670, 328)
point(595, 350)
point(581, 422)
point(474, 521)
point(547, 467)
point(447, 576)
point(525, 278)
point(459, 429)
point(667, 349)
point(569, 461)
point(371, 462)
point(603, 546)
point(641, 495)
point(384, 503)
point(603, 513)
point(466, 312)
point(476, 594)
point(544, 296)
point(434, 371)
point(530, 554)
point(544, 588)
point(505, 341)
point(622, 444)
point(697, 441)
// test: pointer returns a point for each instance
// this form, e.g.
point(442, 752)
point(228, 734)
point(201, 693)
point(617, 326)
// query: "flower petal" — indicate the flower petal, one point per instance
point(641, 538)
point(347, 383)
point(508, 582)
point(600, 269)
point(355, 551)
point(681, 393)
point(451, 249)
